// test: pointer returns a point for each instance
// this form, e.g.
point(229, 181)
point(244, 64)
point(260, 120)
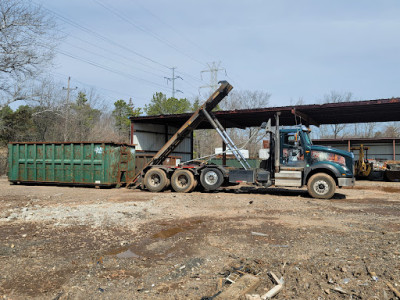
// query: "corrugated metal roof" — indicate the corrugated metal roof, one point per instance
point(382, 110)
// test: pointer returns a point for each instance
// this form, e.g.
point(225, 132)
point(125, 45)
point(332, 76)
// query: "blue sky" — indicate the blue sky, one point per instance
point(289, 48)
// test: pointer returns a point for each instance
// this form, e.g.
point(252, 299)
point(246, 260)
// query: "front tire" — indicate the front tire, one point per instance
point(155, 180)
point(182, 181)
point(211, 179)
point(321, 186)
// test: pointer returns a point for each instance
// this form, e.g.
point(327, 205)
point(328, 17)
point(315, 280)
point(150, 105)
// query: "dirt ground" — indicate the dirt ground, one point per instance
point(86, 243)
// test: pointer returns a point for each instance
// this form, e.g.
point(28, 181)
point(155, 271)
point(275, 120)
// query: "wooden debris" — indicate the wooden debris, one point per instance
point(276, 289)
point(242, 286)
point(340, 290)
point(220, 282)
point(258, 233)
point(232, 277)
point(272, 292)
point(393, 289)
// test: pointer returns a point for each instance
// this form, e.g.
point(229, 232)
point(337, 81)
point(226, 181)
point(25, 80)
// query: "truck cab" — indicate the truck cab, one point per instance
point(302, 163)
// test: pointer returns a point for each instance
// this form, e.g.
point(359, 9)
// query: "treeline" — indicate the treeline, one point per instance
point(51, 117)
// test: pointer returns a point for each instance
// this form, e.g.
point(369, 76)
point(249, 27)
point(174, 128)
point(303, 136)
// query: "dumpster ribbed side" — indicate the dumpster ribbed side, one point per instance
point(97, 164)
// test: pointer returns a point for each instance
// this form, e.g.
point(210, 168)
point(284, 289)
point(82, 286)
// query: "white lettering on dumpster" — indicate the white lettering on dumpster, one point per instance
point(98, 150)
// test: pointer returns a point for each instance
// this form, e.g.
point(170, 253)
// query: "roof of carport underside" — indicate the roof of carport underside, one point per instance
point(382, 110)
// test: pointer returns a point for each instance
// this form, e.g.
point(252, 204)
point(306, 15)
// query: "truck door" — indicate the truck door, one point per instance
point(292, 153)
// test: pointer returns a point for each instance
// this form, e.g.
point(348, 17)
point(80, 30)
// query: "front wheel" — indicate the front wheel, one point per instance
point(321, 186)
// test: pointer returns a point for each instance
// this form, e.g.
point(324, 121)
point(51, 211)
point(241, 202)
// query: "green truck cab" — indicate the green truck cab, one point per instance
point(301, 163)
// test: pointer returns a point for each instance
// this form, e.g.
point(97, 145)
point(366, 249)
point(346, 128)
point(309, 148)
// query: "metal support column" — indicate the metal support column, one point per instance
point(394, 149)
point(277, 142)
point(223, 154)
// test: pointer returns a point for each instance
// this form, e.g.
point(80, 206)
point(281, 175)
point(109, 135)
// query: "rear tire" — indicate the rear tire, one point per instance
point(182, 181)
point(321, 186)
point(211, 179)
point(194, 185)
point(155, 180)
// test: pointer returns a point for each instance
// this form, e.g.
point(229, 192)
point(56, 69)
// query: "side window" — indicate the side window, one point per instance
point(289, 139)
point(291, 148)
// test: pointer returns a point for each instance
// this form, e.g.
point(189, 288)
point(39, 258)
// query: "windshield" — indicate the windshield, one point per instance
point(307, 138)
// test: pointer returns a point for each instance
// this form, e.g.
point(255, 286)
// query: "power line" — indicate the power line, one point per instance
point(115, 53)
point(102, 37)
point(110, 69)
point(164, 41)
point(204, 50)
point(191, 76)
point(153, 34)
point(109, 58)
point(117, 93)
point(110, 41)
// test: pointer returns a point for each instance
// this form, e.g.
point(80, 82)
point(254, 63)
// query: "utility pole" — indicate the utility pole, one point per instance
point(213, 68)
point(68, 89)
point(173, 81)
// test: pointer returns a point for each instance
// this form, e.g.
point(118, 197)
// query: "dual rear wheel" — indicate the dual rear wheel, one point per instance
point(156, 180)
point(182, 181)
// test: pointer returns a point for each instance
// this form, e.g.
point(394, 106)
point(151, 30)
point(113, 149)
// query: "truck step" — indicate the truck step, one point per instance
point(288, 178)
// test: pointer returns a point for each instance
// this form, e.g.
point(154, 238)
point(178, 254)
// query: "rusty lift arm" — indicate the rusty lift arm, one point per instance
point(186, 128)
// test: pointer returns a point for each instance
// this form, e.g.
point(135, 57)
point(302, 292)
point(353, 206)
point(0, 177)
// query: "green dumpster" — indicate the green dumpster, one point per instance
point(92, 164)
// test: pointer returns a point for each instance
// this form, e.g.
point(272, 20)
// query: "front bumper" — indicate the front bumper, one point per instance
point(346, 181)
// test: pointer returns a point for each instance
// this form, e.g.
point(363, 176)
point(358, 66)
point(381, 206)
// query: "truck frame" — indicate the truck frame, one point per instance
point(291, 161)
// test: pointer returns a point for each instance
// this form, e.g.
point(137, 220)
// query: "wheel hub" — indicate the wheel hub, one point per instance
point(183, 181)
point(211, 178)
point(321, 187)
point(155, 179)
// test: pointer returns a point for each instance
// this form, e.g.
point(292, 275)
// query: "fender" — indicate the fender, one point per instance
point(322, 166)
point(225, 172)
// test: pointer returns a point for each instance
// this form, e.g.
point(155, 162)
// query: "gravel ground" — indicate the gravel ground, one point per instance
point(84, 243)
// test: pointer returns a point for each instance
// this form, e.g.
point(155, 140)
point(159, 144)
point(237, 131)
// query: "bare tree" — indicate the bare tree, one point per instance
point(247, 100)
point(27, 40)
point(299, 101)
point(363, 130)
point(391, 130)
point(48, 106)
point(334, 130)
